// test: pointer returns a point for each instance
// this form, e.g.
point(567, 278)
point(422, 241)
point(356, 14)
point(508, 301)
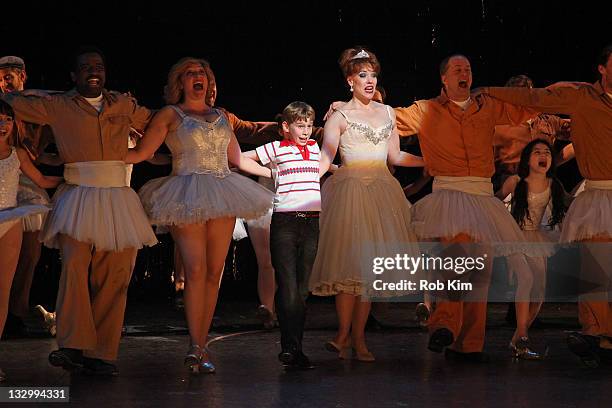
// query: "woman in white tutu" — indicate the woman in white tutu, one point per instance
point(364, 212)
point(12, 160)
point(200, 200)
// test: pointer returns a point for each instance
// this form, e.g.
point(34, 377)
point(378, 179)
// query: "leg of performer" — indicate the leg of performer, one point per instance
point(10, 245)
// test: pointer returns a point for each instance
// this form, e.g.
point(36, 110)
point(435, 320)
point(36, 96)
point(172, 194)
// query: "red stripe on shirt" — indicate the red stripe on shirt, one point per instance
point(295, 191)
point(267, 154)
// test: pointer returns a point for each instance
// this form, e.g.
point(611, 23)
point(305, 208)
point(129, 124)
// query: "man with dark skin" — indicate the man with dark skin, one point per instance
point(97, 220)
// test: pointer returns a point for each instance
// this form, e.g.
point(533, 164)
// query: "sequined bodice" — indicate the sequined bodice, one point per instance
point(199, 146)
point(9, 180)
point(361, 143)
point(537, 203)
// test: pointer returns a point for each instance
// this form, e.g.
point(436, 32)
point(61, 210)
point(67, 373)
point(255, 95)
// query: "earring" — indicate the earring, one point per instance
point(351, 87)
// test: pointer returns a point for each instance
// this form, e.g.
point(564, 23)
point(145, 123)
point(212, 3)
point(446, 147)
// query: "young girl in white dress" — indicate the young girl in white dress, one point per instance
point(538, 205)
point(13, 161)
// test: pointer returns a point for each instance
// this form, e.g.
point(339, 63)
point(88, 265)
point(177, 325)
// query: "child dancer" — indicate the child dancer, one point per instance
point(535, 190)
point(11, 231)
point(294, 230)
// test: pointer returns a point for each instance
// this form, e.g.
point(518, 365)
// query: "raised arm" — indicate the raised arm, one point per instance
point(566, 154)
point(508, 187)
point(31, 109)
point(398, 158)
point(335, 125)
point(408, 120)
point(554, 100)
point(34, 174)
point(154, 136)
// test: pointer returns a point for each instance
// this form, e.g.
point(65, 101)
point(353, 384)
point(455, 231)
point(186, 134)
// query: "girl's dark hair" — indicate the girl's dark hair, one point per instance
point(6, 109)
point(520, 206)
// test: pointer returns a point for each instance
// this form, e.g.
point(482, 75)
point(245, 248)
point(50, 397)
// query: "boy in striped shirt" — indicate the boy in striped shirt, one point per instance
point(294, 230)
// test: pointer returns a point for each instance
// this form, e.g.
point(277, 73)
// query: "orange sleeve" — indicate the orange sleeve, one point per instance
point(559, 100)
point(408, 119)
point(508, 114)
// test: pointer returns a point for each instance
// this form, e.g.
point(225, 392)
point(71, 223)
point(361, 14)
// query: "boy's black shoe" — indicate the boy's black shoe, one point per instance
point(296, 360)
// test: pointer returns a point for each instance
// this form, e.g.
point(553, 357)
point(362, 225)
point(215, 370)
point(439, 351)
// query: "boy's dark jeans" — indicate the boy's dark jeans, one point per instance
point(293, 245)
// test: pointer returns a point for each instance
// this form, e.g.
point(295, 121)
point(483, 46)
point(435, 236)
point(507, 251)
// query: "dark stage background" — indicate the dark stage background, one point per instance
point(267, 54)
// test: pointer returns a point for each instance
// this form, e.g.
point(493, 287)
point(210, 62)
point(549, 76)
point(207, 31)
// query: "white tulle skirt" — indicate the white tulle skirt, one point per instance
point(446, 213)
point(590, 214)
point(11, 216)
point(111, 219)
point(265, 220)
point(196, 198)
point(30, 194)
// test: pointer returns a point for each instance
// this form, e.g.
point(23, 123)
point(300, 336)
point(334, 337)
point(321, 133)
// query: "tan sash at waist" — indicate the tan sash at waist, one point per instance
point(101, 174)
point(481, 186)
point(598, 185)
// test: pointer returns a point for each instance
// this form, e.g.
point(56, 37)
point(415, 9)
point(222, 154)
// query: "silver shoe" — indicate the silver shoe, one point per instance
point(193, 357)
point(206, 365)
point(522, 350)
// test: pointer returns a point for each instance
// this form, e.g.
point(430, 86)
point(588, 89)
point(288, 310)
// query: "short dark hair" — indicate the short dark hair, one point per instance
point(86, 49)
point(445, 61)
point(6, 109)
point(604, 55)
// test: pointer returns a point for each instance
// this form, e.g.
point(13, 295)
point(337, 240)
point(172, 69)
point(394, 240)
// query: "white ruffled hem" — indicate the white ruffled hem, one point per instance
point(590, 215)
point(110, 219)
point(196, 198)
point(448, 213)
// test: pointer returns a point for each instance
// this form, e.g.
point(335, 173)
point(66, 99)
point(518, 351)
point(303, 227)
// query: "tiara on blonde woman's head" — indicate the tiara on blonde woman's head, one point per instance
point(361, 54)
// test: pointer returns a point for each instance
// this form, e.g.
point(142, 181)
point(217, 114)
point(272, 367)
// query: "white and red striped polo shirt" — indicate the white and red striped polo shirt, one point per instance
point(296, 174)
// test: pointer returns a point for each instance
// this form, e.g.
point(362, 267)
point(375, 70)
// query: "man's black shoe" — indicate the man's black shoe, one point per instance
point(95, 366)
point(475, 357)
point(586, 347)
point(67, 358)
point(440, 339)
